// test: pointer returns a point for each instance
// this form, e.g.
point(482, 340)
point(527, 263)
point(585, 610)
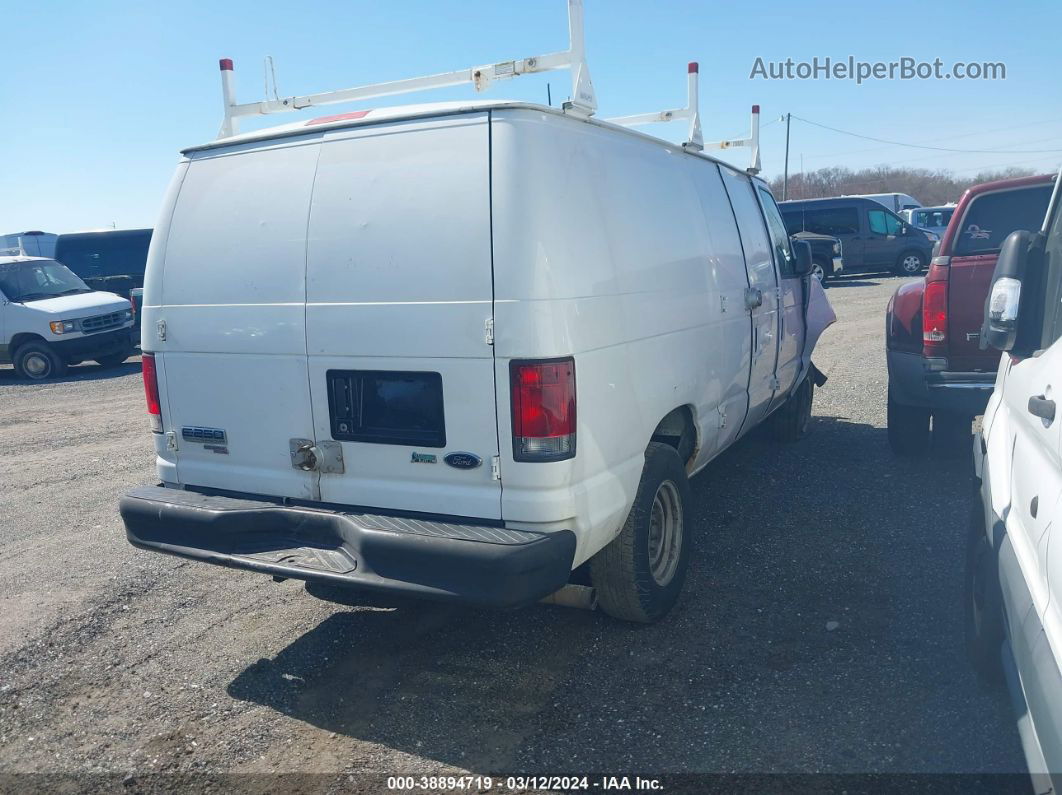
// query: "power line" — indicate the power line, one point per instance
point(934, 148)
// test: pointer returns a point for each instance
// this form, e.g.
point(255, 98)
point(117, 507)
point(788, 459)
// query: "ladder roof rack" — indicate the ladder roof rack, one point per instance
point(583, 101)
point(694, 140)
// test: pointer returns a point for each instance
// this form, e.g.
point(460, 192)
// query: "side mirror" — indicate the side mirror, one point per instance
point(1009, 322)
point(802, 256)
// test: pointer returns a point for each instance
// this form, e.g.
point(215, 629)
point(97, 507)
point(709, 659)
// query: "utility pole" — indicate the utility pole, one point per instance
point(785, 177)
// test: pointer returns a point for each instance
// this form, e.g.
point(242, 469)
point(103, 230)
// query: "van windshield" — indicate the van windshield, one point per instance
point(35, 280)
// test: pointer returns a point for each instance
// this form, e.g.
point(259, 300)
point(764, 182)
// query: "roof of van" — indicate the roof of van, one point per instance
point(359, 118)
point(840, 199)
point(107, 232)
point(10, 260)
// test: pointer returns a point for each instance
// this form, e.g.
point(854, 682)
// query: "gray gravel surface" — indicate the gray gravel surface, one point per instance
point(820, 628)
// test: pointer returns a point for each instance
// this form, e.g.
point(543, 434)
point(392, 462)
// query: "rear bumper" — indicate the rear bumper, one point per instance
point(477, 564)
point(911, 384)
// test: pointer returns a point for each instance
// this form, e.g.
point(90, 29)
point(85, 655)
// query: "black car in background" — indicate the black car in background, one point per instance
point(873, 237)
point(112, 260)
point(826, 259)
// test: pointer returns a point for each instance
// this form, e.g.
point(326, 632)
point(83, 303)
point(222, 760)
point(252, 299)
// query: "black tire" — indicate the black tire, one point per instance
point(911, 263)
point(790, 422)
point(36, 361)
point(952, 433)
point(633, 581)
point(822, 268)
point(114, 359)
point(983, 603)
point(908, 429)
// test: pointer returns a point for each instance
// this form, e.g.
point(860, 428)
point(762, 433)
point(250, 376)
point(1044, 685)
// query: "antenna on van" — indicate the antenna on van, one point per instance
point(753, 142)
point(691, 112)
point(583, 101)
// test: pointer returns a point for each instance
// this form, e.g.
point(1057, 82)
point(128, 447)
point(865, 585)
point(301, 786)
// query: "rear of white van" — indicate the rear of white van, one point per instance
point(320, 370)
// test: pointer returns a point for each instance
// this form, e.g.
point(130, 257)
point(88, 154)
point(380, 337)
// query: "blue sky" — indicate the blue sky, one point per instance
point(99, 97)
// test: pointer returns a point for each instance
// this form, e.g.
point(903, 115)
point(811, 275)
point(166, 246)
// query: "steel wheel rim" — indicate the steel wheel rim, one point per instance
point(818, 272)
point(665, 533)
point(912, 264)
point(36, 365)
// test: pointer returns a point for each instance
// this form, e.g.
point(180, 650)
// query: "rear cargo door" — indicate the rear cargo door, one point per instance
point(230, 336)
point(399, 308)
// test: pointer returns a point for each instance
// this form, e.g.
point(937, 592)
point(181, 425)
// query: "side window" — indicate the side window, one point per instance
point(893, 225)
point(794, 222)
point(834, 222)
point(877, 222)
point(783, 254)
point(993, 216)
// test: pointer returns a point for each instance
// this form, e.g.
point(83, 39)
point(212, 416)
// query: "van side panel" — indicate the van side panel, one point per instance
point(601, 251)
point(399, 281)
point(233, 300)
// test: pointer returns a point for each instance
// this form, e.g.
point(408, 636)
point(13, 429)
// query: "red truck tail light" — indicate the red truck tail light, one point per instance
point(543, 404)
point(151, 391)
point(935, 317)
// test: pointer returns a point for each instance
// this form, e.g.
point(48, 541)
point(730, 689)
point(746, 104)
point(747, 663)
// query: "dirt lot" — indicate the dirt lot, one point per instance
point(125, 662)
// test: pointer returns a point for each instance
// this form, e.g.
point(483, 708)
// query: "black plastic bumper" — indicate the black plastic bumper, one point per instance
point(477, 564)
point(911, 384)
point(90, 346)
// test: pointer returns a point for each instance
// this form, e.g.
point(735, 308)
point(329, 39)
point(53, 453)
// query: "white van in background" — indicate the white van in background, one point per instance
point(897, 202)
point(460, 350)
point(50, 319)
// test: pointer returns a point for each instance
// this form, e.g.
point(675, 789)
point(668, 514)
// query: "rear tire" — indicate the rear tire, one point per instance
point(911, 263)
point(951, 433)
point(639, 575)
point(36, 361)
point(790, 422)
point(908, 429)
point(983, 613)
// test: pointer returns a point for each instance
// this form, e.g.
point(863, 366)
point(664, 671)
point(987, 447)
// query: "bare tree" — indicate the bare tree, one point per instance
point(929, 187)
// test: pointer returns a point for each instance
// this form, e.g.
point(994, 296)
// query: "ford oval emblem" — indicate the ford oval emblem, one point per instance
point(463, 460)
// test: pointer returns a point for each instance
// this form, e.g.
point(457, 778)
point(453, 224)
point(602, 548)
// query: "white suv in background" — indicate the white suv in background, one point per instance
point(1014, 563)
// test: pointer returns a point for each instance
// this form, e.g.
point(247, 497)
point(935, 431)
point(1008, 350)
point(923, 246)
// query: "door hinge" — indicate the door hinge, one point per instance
point(488, 330)
point(160, 329)
point(171, 440)
point(495, 467)
point(775, 383)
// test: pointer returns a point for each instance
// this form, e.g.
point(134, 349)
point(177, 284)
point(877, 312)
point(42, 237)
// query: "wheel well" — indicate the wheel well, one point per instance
point(21, 339)
point(907, 251)
point(678, 430)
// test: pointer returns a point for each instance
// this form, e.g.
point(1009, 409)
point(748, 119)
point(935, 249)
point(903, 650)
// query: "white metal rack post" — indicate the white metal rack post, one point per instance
point(691, 112)
point(752, 141)
point(583, 100)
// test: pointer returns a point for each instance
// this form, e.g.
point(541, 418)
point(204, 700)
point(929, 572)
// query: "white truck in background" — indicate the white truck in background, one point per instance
point(460, 350)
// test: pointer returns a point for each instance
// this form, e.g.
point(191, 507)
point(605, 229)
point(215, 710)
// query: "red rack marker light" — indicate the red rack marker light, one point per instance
point(693, 67)
point(151, 391)
point(755, 108)
point(543, 409)
point(225, 64)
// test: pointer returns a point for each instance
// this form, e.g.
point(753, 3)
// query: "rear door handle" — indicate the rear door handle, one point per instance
point(1043, 408)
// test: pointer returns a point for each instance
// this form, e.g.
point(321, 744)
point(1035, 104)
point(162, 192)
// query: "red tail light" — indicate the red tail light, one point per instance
point(935, 318)
point(543, 402)
point(151, 391)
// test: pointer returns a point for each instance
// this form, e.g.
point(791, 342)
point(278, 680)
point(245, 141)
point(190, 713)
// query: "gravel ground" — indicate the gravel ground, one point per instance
point(124, 662)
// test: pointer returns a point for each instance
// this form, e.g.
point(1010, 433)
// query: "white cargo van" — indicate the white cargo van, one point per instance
point(49, 319)
point(459, 350)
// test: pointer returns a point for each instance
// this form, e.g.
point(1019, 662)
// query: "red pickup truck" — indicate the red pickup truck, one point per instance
point(937, 370)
